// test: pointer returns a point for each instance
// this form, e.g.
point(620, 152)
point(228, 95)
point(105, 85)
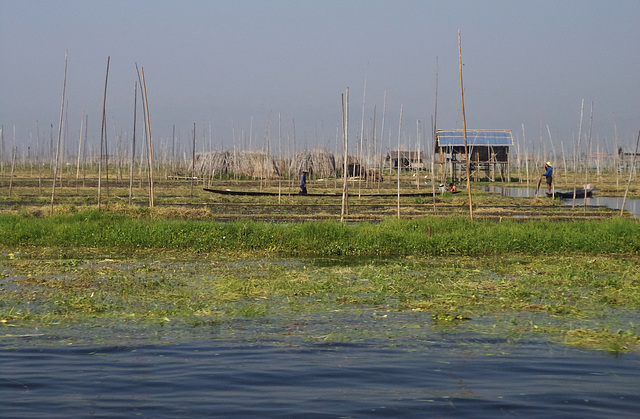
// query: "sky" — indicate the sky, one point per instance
point(258, 73)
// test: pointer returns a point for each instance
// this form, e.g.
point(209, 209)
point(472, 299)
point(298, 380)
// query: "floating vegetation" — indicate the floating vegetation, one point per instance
point(571, 299)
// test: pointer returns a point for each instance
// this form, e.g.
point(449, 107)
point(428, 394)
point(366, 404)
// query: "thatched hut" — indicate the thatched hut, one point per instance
point(255, 164)
point(320, 163)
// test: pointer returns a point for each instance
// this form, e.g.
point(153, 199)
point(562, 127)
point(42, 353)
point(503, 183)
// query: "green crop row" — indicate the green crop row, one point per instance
point(426, 236)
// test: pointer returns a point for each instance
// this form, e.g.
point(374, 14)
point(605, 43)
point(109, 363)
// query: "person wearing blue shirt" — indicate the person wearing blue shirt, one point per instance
point(303, 183)
point(549, 175)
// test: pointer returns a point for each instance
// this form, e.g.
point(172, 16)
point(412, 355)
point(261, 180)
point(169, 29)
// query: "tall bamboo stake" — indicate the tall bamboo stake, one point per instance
point(2, 156)
point(375, 148)
point(575, 166)
point(55, 167)
point(399, 133)
point(173, 147)
point(63, 143)
point(553, 186)
point(360, 154)
point(38, 159)
point(84, 151)
point(526, 160)
point(279, 156)
point(345, 135)
point(193, 158)
point(464, 127)
point(133, 141)
point(384, 114)
point(106, 159)
point(417, 174)
point(79, 149)
point(617, 155)
point(587, 157)
point(631, 169)
point(146, 107)
point(13, 167)
point(102, 132)
point(434, 123)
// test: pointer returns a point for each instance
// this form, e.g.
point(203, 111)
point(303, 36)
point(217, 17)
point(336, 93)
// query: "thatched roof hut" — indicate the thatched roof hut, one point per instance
point(320, 163)
point(255, 164)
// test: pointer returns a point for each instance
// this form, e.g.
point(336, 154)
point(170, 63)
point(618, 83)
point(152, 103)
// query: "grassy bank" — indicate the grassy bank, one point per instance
point(574, 282)
point(424, 237)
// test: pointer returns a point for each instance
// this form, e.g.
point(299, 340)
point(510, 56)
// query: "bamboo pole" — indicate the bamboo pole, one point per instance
point(133, 141)
point(399, 133)
point(360, 154)
point(345, 135)
point(2, 156)
point(84, 152)
point(434, 122)
point(587, 158)
point(63, 143)
point(39, 148)
point(279, 156)
point(146, 107)
point(631, 170)
point(173, 147)
point(417, 173)
point(337, 150)
point(526, 160)
point(13, 167)
point(55, 167)
point(106, 159)
point(464, 127)
point(79, 149)
point(617, 154)
point(575, 166)
point(102, 132)
point(193, 158)
point(375, 149)
point(553, 186)
point(384, 114)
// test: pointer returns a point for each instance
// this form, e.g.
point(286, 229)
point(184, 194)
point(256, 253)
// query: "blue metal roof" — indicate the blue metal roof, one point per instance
point(482, 137)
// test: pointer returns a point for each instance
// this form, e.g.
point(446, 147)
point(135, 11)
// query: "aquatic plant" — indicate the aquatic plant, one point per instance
point(424, 237)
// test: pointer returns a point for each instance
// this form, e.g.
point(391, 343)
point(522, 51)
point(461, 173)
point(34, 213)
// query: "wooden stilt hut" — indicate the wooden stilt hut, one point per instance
point(489, 152)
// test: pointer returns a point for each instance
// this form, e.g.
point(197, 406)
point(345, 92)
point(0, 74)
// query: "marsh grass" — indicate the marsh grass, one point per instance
point(571, 299)
point(450, 236)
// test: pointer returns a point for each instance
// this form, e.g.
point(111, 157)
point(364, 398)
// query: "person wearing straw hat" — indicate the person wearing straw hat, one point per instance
point(303, 182)
point(548, 174)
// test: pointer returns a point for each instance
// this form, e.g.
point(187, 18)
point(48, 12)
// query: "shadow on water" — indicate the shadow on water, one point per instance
point(631, 205)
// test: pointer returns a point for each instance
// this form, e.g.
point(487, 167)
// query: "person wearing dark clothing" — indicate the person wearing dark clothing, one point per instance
point(548, 174)
point(303, 183)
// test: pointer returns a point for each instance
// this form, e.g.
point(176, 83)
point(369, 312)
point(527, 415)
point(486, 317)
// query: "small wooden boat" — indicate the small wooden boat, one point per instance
point(258, 193)
point(580, 193)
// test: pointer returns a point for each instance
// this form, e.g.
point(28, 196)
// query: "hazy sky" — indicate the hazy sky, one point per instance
point(233, 66)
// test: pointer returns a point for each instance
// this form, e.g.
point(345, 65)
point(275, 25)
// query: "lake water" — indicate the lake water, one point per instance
point(631, 205)
point(442, 375)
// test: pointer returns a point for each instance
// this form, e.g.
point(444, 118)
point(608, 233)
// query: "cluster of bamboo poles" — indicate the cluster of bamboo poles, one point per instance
point(368, 154)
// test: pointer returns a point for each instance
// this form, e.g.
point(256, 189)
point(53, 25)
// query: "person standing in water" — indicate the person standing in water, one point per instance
point(549, 175)
point(303, 183)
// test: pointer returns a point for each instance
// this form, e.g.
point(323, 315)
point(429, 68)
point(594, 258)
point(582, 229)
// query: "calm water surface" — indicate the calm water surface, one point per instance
point(631, 205)
point(443, 376)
